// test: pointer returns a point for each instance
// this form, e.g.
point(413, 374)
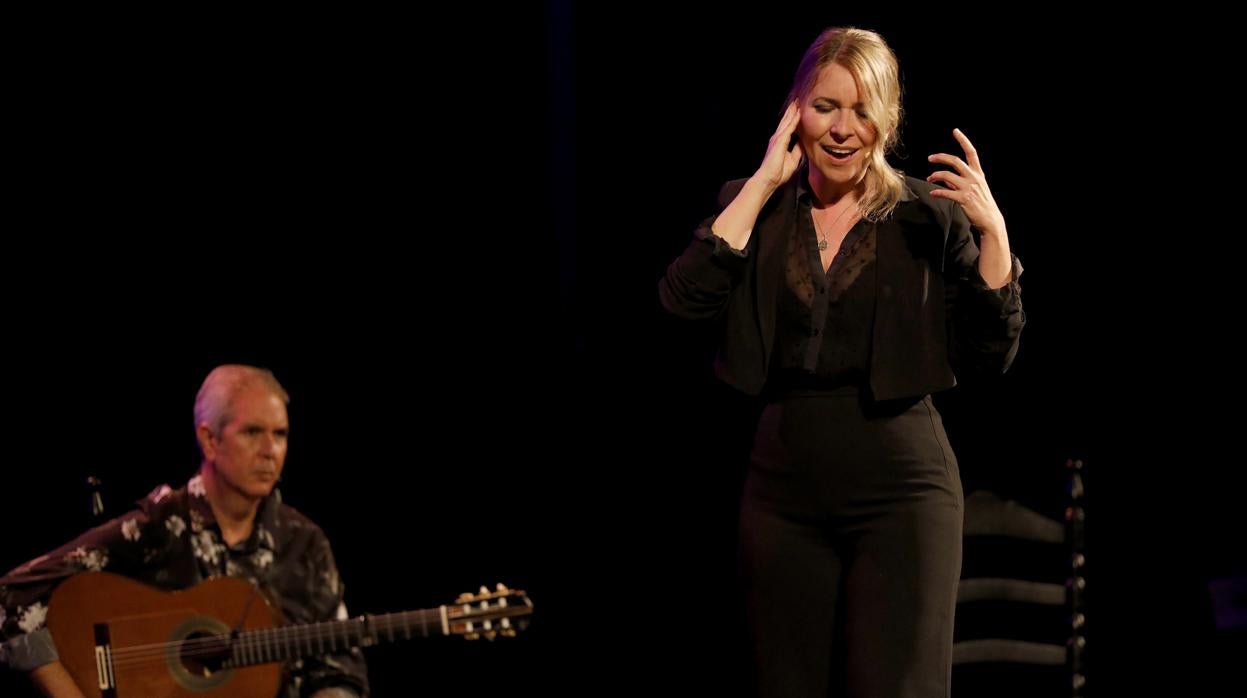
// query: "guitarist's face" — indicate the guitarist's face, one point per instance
point(251, 449)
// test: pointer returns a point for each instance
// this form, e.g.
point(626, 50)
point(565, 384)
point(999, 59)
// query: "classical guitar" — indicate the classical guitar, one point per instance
point(122, 639)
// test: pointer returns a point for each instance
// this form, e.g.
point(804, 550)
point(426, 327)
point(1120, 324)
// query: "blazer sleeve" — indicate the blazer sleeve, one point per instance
point(698, 283)
point(985, 324)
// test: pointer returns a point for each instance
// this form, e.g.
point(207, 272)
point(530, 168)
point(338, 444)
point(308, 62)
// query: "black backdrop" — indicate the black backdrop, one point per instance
point(443, 235)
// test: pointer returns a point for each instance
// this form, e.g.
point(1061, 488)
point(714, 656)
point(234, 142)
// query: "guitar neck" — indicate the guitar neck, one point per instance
point(295, 641)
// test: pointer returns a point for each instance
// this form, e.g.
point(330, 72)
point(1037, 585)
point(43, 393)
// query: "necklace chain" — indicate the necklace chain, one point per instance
point(822, 239)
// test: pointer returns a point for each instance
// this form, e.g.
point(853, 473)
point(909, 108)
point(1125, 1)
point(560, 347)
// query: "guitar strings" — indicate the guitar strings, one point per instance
point(268, 642)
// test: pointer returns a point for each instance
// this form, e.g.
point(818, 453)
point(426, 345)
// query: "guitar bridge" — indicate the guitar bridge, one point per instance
point(105, 678)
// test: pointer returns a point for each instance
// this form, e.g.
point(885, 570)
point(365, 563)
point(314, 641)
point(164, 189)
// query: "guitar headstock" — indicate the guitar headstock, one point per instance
point(489, 614)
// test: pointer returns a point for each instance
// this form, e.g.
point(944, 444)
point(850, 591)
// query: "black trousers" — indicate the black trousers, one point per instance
point(851, 548)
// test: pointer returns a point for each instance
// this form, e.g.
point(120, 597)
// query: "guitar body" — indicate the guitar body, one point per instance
point(153, 637)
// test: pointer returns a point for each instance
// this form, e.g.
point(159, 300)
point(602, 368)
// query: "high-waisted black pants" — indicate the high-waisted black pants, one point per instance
point(851, 548)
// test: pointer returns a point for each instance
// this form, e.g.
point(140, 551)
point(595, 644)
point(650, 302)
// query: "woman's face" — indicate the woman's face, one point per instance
point(835, 134)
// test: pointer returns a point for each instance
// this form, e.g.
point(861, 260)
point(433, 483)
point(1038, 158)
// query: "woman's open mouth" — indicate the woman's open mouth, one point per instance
point(839, 155)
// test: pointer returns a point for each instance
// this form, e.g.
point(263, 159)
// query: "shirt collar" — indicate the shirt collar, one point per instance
point(265, 518)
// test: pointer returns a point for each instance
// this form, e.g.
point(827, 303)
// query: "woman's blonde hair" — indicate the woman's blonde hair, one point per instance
point(873, 65)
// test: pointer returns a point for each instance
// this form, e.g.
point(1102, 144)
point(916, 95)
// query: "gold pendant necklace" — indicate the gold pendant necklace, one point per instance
point(822, 239)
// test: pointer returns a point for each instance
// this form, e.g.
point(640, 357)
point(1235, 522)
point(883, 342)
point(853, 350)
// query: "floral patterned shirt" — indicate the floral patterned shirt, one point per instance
point(172, 541)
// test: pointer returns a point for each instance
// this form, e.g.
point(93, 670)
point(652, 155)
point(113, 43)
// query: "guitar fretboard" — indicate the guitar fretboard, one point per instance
point(294, 641)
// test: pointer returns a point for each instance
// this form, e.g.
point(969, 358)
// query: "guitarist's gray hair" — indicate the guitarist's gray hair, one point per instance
point(222, 384)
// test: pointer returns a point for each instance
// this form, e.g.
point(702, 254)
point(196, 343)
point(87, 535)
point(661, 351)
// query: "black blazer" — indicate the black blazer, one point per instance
point(933, 311)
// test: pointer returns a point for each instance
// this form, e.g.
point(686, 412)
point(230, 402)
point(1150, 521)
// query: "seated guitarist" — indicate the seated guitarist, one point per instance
point(226, 521)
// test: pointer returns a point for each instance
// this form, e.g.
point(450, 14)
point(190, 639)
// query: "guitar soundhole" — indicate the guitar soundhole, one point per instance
point(203, 654)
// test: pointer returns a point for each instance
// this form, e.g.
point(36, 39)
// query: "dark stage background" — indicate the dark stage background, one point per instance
point(444, 235)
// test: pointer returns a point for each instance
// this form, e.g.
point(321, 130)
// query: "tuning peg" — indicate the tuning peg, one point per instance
point(471, 636)
point(465, 598)
point(502, 588)
point(507, 632)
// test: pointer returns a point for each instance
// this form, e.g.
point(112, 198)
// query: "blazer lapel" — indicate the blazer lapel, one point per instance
point(772, 235)
point(909, 337)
